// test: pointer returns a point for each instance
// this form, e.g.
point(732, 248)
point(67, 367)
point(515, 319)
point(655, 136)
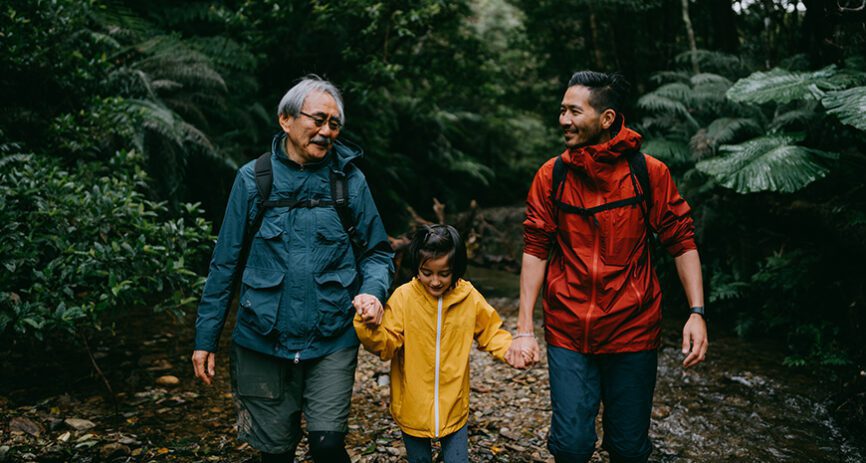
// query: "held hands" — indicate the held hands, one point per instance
point(523, 352)
point(369, 308)
point(695, 341)
point(203, 362)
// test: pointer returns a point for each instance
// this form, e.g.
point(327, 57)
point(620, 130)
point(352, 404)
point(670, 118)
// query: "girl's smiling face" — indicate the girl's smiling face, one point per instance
point(435, 274)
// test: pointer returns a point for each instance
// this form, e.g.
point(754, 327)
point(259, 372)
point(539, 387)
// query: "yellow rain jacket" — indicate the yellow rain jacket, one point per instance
point(428, 341)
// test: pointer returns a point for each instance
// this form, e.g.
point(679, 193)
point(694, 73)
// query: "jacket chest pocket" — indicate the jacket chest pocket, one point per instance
point(334, 298)
point(622, 230)
point(260, 300)
point(331, 249)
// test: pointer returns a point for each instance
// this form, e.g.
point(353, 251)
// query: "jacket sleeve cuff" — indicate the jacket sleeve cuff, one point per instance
point(680, 248)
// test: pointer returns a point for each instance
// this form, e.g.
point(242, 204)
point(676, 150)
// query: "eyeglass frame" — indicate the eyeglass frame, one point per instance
point(333, 123)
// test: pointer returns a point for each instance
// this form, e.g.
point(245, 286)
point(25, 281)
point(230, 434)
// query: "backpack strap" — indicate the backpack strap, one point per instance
point(340, 200)
point(637, 166)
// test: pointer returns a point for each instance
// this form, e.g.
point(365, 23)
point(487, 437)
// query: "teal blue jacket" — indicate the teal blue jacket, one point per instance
point(301, 273)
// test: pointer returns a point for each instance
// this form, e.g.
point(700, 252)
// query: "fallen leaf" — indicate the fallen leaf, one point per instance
point(79, 424)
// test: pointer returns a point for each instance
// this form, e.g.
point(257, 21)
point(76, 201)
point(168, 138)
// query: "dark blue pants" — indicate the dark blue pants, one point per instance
point(578, 383)
point(455, 447)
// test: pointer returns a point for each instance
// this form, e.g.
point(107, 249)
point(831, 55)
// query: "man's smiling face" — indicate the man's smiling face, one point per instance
point(305, 140)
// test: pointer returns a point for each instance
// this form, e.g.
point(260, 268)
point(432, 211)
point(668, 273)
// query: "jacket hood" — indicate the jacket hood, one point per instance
point(345, 151)
point(625, 140)
point(454, 296)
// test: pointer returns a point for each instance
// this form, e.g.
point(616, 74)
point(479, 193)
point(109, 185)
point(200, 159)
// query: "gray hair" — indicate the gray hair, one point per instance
point(293, 100)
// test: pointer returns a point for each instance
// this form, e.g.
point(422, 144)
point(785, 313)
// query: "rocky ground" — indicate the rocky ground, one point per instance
point(741, 405)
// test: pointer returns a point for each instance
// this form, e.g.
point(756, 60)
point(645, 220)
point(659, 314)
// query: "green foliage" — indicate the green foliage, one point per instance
point(772, 163)
point(848, 105)
point(84, 242)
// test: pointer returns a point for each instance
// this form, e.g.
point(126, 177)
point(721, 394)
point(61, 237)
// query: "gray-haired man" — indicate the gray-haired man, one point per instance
point(294, 348)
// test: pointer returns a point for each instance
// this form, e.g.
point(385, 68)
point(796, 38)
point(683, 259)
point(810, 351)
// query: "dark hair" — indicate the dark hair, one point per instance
point(434, 241)
point(606, 90)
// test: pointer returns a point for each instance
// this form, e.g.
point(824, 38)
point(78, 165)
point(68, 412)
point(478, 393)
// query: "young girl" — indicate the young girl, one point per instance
point(427, 332)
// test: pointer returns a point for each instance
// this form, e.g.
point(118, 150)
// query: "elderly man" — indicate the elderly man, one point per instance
point(588, 215)
point(304, 254)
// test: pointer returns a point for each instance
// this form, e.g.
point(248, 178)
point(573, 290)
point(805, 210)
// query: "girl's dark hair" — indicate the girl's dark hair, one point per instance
point(434, 241)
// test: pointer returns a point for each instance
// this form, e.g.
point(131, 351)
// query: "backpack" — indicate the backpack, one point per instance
point(639, 175)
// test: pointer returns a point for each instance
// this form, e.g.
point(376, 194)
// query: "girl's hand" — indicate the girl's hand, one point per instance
point(523, 352)
point(370, 309)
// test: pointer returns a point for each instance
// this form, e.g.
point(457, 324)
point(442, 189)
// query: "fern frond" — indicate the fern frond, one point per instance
point(772, 163)
point(675, 91)
point(709, 78)
point(668, 150)
point(670, 76)
point(224, 52)
point(848, 105)
point(726, 129)
point(657, 103)
point(799, 116)
point(782, 86)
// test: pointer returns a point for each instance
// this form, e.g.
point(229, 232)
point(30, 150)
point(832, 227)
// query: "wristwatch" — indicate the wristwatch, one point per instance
point(698, 309)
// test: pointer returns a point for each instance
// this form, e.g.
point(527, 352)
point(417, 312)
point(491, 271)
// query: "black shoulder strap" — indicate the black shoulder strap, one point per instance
point(638, 168)
point(340, 196)
point(559, 173)
point(637, 164)
point(264, 179)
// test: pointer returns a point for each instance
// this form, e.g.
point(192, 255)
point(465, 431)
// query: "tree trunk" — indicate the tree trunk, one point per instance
point(596, 42)
point(693, 46)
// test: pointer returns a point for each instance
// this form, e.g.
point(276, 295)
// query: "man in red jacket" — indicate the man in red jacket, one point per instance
point(586, 241)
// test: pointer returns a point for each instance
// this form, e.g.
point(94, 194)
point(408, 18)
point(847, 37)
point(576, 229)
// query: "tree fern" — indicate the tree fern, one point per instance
point(727, 129)
point(658, 103)
point(782, 86)
point(772, 163)
point(668, 150)
point(848, 105)
point(796, 118)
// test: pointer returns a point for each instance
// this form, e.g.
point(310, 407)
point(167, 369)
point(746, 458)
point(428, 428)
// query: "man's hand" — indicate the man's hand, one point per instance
point(695, 341)
point(369, 308)
point(203, 362)
point(523, 352)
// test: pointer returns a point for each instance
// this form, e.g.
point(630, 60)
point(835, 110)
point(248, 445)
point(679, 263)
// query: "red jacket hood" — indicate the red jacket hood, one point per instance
point(625, 140)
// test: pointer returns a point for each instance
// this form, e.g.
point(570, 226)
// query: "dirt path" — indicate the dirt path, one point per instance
point(741, 405)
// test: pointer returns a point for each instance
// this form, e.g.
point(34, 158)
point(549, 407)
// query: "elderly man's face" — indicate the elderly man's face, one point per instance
point(305, 140)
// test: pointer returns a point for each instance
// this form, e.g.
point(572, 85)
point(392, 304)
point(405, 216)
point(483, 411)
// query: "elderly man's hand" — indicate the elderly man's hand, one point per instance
point(369, 308)
point(204, 364)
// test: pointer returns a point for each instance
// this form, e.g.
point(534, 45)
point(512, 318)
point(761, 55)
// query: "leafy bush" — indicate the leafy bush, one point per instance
point(82, 242)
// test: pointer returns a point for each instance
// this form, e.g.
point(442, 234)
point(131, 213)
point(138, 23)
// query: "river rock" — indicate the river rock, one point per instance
point(167, 380)
point(113, 450)
point(79, 424)
point(26, 425)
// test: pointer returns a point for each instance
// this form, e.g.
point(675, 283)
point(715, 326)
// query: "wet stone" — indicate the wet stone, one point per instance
point(26, 425)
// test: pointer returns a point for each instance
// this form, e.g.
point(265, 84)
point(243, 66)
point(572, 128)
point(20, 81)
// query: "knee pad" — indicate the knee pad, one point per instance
point(328, 446)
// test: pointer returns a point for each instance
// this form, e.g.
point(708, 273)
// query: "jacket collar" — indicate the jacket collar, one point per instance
point(343, 152)
point(623, 141)
point(457, 294)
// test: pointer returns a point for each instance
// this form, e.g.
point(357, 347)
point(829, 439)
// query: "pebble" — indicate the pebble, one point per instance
point(79, 424)
point(167, 380)
point(26, 425)
point(113, 450)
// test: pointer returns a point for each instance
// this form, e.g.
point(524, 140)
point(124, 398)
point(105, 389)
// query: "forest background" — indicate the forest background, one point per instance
point(123, 123)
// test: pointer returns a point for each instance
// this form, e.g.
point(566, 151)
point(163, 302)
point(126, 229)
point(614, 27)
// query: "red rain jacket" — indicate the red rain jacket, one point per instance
point(601, 294)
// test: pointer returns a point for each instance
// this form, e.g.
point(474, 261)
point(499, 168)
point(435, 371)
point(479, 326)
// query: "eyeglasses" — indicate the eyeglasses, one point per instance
point(333, 123)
